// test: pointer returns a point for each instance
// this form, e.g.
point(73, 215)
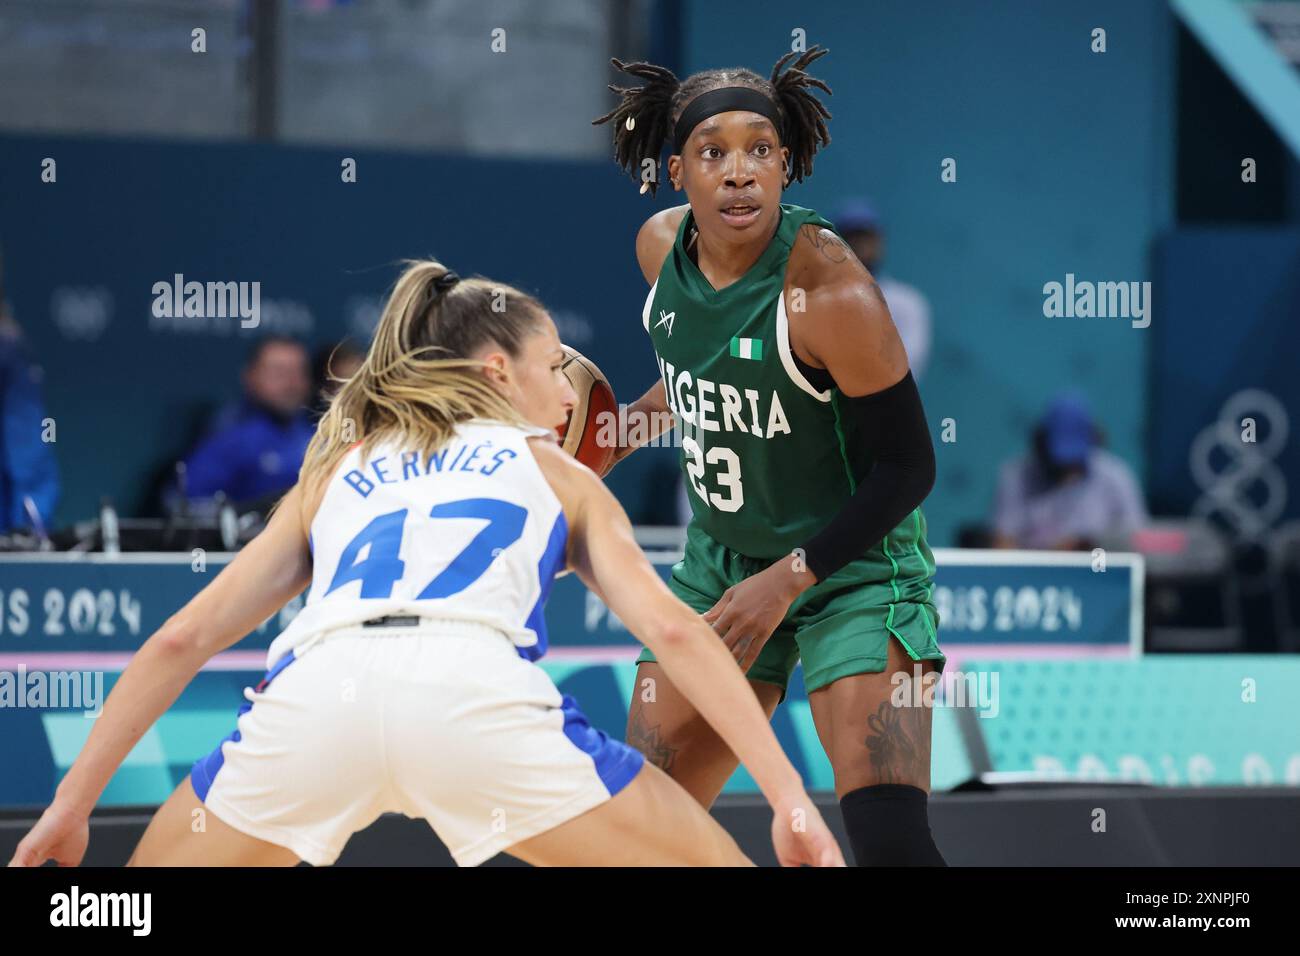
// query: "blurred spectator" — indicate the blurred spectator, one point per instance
point(256, 448)
point(860, 226)
point(29, 477)
point(1068, 492)
point(332, 366)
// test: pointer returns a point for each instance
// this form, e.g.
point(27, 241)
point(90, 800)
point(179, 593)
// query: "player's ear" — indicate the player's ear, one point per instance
point(495, 368)
point(675, 172)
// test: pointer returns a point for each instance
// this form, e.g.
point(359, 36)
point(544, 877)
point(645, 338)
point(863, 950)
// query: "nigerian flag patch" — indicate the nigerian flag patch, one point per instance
point(747, 348)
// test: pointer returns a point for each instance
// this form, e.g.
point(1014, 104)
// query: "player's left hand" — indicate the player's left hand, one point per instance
point(748, 613)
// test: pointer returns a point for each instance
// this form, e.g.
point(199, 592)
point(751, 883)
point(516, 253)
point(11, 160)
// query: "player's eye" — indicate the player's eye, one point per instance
point(712, 149)
point(763, 149)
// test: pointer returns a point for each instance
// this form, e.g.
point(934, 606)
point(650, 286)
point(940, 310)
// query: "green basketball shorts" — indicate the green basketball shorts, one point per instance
point(838, 627)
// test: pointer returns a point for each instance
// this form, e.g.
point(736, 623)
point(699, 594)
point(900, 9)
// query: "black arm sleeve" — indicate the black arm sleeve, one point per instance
point(892, 423)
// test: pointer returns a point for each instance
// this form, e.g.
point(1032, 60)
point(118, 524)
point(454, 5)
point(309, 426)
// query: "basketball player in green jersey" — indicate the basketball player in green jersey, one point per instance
point(804, 444)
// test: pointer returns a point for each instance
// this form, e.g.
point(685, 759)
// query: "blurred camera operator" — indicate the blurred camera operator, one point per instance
point(29, 477)
point(255, 449)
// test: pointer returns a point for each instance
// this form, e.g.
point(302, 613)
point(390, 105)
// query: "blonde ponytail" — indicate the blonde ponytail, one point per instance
point(416, 383)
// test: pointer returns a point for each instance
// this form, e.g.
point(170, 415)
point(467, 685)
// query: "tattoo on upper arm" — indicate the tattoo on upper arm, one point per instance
point(830, 246)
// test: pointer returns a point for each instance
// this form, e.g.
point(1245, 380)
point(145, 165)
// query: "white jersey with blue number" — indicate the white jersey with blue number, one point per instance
point(473, 532)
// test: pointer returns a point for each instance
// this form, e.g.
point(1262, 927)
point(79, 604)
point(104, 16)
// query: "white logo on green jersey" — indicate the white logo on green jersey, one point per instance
point(721, 407)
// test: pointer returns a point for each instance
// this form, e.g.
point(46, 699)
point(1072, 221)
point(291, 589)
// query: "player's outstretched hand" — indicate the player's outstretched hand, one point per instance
point(801, 837)
point(60, 835)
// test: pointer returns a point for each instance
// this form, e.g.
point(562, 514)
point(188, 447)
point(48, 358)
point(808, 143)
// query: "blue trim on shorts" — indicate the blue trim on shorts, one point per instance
point(204, 771)
point(616, 762)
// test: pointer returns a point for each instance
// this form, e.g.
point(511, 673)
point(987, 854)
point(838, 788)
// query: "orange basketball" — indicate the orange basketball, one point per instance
point(591, 434)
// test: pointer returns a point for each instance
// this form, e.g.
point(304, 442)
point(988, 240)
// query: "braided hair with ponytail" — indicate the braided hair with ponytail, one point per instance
point(646, 114)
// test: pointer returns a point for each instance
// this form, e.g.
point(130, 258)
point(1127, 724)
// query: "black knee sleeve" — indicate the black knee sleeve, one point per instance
point(889, 825)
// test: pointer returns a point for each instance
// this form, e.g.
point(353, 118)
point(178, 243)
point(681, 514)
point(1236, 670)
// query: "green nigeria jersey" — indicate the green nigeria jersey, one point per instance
point(769, 459)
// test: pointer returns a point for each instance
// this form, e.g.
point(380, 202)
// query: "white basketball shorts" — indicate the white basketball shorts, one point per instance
point(441, 721)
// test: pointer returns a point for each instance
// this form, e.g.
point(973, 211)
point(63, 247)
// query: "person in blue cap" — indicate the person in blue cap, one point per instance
point(1069, 493)
point(858, 222)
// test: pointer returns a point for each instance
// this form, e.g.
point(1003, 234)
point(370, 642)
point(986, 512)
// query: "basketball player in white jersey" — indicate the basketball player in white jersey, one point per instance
point(432, 511)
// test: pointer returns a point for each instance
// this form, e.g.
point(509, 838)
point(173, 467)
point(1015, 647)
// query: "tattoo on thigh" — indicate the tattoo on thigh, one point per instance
point(899, 748)
point(646, 738)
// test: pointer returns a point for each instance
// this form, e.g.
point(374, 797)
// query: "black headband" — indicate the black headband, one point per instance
point(723, 100)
